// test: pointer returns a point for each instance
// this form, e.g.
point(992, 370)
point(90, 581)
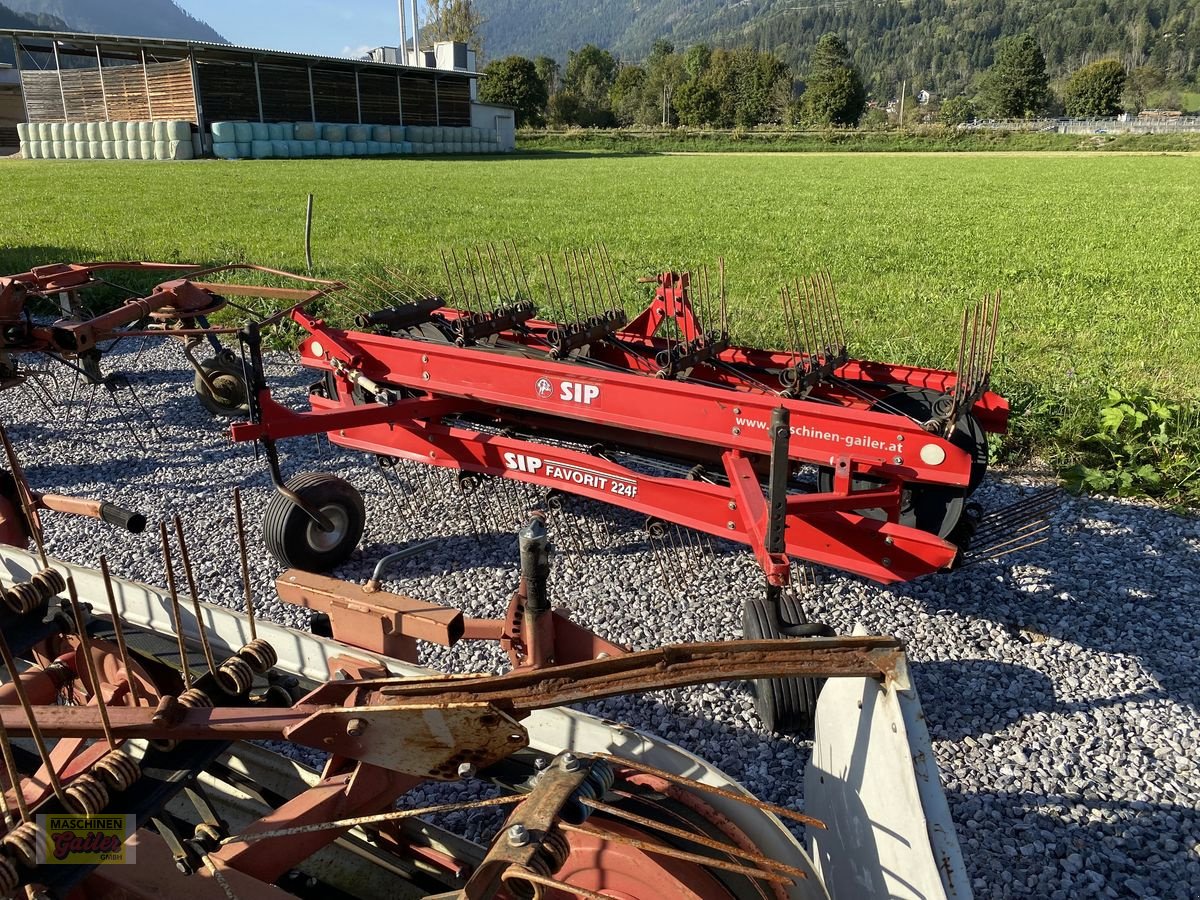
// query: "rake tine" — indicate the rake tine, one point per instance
point(991, 357)
point(812, 331)
point(837, 311)
point(119, 633)
point(177, 619)
point(35, 730)
point(789, 322)
point(826, 317)
point(85, 644)
point(959, 386)
point(594, 281)
point(839, 344)
point(571, 286)
point(551, 287)
point(14, 778)
point(611, 275)
point(191, 580)
point(473, 271)
point(585, 281)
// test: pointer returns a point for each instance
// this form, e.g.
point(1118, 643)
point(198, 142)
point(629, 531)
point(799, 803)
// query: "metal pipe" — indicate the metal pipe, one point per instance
point(417, 59)
point(407, 553)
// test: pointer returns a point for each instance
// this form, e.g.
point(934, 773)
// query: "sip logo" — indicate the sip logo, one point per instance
point(568, 391)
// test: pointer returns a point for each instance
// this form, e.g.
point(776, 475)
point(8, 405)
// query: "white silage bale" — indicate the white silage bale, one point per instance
point(23, 131)
point(58, 150)
point(179, 149)
point(162, 150)
point(147, 149)
point(225, 150)
point(133, 149)
point(305, 131)
point(91, 131)
point(224, 132)
point(56, 131)
point(360, 148)
point(337, 148)
point(374, 148)
point(160, 134)
point(121, 149)
point(335, 134)
point(108, 150)
point(399, 134)
point(145, 131)
point(179, 130)
point(31, 149)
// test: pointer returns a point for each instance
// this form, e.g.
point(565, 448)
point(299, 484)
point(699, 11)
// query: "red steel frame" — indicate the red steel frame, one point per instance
point(673, 418)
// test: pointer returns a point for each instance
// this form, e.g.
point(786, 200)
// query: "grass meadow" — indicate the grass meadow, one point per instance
point(1097, 255)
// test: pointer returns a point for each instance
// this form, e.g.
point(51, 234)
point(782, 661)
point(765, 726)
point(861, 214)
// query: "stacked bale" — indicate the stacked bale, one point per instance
point(107, 140)
point(306, 140)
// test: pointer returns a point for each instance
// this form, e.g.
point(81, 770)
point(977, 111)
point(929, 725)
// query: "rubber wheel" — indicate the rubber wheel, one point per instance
point(296, 541)
point(933, 508)
point(227, 396)
point(785, 705)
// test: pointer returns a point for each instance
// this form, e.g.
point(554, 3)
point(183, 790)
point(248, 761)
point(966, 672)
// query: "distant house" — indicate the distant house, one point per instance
point(925, 97)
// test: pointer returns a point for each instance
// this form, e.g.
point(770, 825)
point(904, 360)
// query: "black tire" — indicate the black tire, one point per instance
point(296, 541)
point(785, 705)
point(228, 396)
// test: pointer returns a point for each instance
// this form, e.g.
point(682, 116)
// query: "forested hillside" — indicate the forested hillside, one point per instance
point(12, 19)
point(940, 45)
point(148, 18)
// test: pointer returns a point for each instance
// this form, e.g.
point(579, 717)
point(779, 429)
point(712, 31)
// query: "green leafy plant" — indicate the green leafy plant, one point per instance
point(1142, 446)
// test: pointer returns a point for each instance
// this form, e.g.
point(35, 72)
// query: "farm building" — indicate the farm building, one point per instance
point(109, 96)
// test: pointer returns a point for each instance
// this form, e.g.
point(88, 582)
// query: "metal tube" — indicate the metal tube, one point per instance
point(119, 632)
point(191, 580)
point(240, 528)
point(103, 91)
point(85, 644)
point(174, 594)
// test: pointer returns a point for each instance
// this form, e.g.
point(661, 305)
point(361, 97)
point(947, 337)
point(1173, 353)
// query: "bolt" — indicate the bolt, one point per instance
point(731, 526)
point(897, 459)
point(425, 376)
point(355, 727)
point(466, 770)
point(900, 437)
point(887, 563)
point(541, 763)
point(737, 410)
point(425, 359)
point(737, 431)
point(889, 540)
point(570, 763)
point(733, 504)
point(518, 835)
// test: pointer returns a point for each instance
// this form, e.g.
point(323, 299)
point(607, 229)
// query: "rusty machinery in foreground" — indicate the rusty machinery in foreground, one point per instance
point(177, 308)
point(124, 699)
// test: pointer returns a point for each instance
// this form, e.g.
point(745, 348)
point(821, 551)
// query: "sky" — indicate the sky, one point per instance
point(324, 27)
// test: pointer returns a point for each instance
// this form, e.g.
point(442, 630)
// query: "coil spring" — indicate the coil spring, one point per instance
point(21, 844)
point(549, 858)
point(599, 780)
point(24, 598)
point(260, 655)
point(86, 795)
point(119, 770)
point(194, 698)
point(10, 878)
point(235, 675)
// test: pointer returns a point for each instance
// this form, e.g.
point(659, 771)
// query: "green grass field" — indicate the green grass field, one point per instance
point(1096, 254)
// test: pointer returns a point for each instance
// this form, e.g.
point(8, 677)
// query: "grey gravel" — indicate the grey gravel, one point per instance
point(1060, 683)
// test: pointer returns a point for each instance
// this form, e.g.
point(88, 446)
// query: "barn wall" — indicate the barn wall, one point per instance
point(162, 91)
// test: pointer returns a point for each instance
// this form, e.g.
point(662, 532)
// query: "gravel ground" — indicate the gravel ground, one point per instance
point(1060, 683)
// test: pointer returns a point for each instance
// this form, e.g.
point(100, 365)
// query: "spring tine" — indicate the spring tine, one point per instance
point(789, 322)
point(991, 357)
point(585, 286)
point(239, 528)
point(14, 776)
point(35, 730)
point(169, 566)
point(959, 386)
point(574, 307)
point(592, 285)
point(191, 580)
point(811, 330)
point(611, 274)
point(822, 291)
point(724, 305)
point(85, 644)
point(603, 289)
point(469, 298)
point(837, 311)
point(827, 339)
point(119, 633)
point(25, 496)
point(499, 276)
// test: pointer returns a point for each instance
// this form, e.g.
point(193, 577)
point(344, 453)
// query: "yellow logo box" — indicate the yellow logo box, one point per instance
point(86, 840)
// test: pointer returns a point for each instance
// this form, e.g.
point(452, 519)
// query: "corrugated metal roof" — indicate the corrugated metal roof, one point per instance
point(188, 45)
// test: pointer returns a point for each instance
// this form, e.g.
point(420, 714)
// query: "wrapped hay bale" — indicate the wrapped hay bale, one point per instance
point(145, 131)
point(308, 149)
point(295, 149)
point(381, 134)
point(396, 148)
point(147, 149)
point(275, 132)
point(160, 134)
point(226, 150)
point(179, 149)
point(243, 149)
point(91, 131)
point(289, 131)
point(335, 134)
point(224, 133)
point(242, 132)
point(108, 150)
point(337, 148)
point(259, 131)
point(23, 131)
point(133, 149)
point(324, 148)
point(162, 150)
point(262, 149)
point(399, 134)
point(31, 149)
point(374, 148)
point(121, 149)
point(279, 150)
point(360, 147)
point(179, 130)
point(406, 147)
point(358, 134)
point(305, 131)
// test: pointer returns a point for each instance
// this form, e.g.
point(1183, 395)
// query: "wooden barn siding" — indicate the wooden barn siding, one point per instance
point(170, 94)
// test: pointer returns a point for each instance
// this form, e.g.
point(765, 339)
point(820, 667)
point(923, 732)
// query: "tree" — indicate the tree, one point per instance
point(1017, 85)
point(1095, 90)
point(549, 71)
point(589, 78)
point(697, 103)
point(1141, 82)
point(664, 73)
point(834, 94)
point(456, 20)
point(696, 60)
point(957, 111)
point(514, 81)
point(628, 97)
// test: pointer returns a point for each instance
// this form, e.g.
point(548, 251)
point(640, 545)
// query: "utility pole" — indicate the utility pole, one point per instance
point(903, 91)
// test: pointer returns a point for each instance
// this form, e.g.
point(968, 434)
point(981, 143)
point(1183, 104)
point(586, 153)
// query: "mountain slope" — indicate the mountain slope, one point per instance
point(144, 18)
point(940, 45)
point(39, 21)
